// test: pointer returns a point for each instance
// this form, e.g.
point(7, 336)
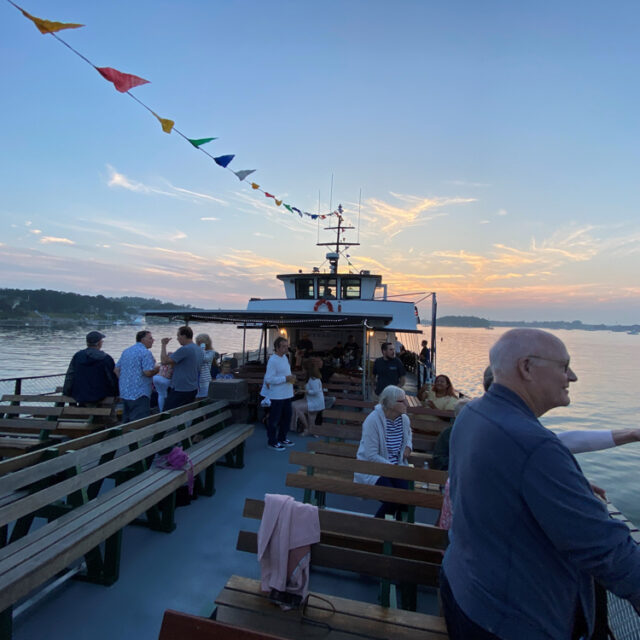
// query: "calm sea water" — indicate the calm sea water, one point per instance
point(606, 395)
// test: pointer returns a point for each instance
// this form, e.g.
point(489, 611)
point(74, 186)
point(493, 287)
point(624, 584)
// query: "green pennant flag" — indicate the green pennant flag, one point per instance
point(197, 142)
point(288, 207)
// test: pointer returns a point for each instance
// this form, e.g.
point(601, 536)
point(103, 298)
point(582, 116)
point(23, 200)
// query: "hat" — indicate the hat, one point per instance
point(93, 337)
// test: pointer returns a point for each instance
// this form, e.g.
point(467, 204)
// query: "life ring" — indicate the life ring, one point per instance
point(320, 302)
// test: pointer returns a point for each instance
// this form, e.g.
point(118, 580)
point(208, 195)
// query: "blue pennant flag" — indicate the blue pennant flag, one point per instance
point(223, 161)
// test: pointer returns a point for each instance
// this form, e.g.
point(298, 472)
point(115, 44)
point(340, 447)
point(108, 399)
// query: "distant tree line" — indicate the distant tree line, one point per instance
point(24, 302)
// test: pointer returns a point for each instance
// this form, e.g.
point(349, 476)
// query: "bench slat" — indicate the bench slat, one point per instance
point(373, 492)
point(335, 463)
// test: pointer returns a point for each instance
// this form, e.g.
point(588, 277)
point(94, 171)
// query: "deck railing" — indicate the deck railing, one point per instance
point(32, 385)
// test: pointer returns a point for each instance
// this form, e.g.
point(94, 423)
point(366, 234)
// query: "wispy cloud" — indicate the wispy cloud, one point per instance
point(211, 219)
point(121, 181)
point(54, 240)
point(392, 219)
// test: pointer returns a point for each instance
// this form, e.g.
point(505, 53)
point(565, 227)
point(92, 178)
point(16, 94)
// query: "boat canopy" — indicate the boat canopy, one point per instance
point(259, 319)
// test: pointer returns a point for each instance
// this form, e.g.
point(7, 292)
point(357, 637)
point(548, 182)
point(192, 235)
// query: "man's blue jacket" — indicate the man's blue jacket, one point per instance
point(528, 535)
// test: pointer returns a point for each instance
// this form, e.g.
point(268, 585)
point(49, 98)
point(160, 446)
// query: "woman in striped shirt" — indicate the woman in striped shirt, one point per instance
point(386, 437)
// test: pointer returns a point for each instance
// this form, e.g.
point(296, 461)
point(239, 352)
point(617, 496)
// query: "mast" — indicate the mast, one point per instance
point(334, 256)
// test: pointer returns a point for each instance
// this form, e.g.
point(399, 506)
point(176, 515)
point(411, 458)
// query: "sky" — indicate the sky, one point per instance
point(487, 151)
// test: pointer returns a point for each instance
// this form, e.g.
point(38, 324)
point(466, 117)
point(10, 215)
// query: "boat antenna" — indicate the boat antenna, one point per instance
point(318, 238)
point(359, 203)
point(331, 194)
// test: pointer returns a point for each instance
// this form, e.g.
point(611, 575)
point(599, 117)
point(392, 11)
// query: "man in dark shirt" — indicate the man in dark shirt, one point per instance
point(388, 369)
point(90, 377)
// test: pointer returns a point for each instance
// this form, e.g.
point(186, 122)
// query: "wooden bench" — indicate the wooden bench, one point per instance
point(326, 617)
point(33, 421)
point(183, 626)
point(33, 457)
point(380, 549)
point(322, 474)
point(66, 491)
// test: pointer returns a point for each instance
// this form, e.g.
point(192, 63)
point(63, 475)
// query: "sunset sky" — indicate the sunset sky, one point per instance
point(495, 144)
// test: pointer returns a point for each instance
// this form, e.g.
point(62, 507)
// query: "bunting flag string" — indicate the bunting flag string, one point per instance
point(124, 82)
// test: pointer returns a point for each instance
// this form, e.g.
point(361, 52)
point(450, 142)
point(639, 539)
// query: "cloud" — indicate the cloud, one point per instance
point(258, 234)
point(210, 219)
point(35, 231)
point(392, 219)
point(54, 240)
point(502, 212)
point(119, 180)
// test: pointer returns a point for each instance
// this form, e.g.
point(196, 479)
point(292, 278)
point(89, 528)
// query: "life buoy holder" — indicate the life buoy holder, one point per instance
point(320, 302)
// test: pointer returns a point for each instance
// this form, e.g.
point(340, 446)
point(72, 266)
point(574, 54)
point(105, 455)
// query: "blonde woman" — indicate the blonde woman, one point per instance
point(204, 377)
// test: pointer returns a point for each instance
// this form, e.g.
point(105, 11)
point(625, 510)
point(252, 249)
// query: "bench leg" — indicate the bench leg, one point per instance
point(168, 509)
point(3, 535)
point(234, 458)
point(6, 623)
point(112, 549)
point(93, 560)
point(209, 487)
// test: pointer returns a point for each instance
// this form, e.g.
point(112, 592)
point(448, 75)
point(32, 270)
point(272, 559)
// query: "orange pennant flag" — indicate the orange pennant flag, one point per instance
point(255, 186)
point(165, 123)
point(278, 202)
point(48, 26)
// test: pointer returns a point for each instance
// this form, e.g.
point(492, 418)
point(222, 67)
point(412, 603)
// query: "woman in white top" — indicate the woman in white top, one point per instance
point(386, 438)
point(313, 400)
point(204, 377)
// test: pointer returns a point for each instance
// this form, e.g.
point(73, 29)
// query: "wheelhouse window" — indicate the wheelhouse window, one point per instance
point(304, 288)
point(327, 288)
point(350, 288)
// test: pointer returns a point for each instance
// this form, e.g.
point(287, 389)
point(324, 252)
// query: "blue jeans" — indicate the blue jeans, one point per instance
point(136, 409)
point(179, 398)
point(279, 421)
point(391, 507)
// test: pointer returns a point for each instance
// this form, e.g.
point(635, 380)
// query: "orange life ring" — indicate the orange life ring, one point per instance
point(321, 302)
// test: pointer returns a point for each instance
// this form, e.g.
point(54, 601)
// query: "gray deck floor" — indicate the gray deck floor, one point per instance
point(186, 569)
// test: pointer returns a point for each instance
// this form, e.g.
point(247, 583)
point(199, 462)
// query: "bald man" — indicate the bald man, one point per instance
point(528, 535)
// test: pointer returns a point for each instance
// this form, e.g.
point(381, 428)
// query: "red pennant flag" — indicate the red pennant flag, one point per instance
point(121, 81)
point(268, 195)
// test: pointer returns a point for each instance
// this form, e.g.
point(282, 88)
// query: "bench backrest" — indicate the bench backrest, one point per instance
point(28, 459)
point(421, 442)
point(334, 475)
point(385, 549)
point(129, 448)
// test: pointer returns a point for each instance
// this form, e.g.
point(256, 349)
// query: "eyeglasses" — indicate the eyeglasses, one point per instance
point(563, 363)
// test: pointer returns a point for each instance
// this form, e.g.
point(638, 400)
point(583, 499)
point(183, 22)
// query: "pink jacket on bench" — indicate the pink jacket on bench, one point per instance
point(287, 530)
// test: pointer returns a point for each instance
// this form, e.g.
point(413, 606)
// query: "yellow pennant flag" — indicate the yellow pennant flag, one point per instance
point(48, 26)
point(255, 186)
point(165, 123)
point(278, 202)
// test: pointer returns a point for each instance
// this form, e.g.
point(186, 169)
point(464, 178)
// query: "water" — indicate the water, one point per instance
point(605, 396)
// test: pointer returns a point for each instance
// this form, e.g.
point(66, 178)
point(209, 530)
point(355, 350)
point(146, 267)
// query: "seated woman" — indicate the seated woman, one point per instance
point(386, 438)
point(313, 400)
point(441, 396)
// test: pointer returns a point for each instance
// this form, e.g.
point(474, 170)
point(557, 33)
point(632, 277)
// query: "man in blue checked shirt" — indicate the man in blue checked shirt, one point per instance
point(135, 368)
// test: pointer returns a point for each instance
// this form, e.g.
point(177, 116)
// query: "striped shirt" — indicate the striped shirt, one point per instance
point(395, 432)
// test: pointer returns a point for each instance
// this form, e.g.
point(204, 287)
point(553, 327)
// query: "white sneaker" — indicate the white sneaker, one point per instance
point(277, 447)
